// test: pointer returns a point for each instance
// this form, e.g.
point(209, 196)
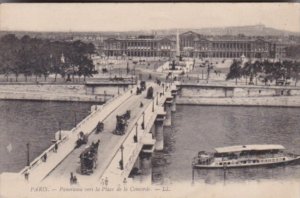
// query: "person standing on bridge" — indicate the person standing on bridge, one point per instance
point(26, 174)
point(106, 181)
point(55, 147)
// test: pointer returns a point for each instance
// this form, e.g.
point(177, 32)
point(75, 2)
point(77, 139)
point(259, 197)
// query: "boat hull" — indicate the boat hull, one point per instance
point(270, 164)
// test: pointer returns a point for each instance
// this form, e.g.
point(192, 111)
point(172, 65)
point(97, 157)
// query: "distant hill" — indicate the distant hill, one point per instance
point(253, 30)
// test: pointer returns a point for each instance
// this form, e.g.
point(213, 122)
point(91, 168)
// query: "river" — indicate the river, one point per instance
point(36, 123)
point(194, 128)
point(197, 128)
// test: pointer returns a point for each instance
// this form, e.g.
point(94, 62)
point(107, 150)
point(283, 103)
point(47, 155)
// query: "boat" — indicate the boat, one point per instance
point(244, 156)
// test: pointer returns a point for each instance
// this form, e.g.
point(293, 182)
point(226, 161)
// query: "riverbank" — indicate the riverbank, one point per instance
point(58, 92)
point(275, 101)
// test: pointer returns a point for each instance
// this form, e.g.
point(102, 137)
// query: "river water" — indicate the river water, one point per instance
point(194, 128)
point(197, 128)
point(36, 123)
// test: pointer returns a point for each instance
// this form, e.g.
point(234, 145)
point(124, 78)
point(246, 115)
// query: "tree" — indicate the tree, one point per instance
point(86, 68)
point(56, 62)
point(246, 70)
point(256, 68)
point(295, 71)
point(27, 55)
point(78, 57)
point(235, 71)
point(9, 55)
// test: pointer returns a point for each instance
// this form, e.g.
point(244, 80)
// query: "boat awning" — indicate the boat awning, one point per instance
point(253, 147)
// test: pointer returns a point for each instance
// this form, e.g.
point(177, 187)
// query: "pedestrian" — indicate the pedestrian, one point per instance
point(55, 147)
point(71, 178)
point(26, 174)
point(97, 144)
point(44, 158)
point(74, 179)
point(106, 181)
point(124, 181)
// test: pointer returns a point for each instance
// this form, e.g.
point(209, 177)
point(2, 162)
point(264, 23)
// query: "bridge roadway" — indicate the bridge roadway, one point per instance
point(108, 142)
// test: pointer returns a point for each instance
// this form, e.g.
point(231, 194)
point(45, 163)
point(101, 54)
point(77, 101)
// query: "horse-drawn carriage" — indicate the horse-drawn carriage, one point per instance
point(150, 93)
point(99, 127)
point(122, 123)
point(82, 139)
point(143, 85)
point(88, 159)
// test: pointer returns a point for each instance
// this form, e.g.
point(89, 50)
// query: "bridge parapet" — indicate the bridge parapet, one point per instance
point(132, 149)
point(39, 168)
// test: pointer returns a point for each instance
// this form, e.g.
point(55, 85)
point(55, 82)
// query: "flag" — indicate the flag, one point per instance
point(9, 147)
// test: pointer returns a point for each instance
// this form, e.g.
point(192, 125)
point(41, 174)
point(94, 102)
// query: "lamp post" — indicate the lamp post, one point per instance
point(193, 175)
point(143, 124)
point(121, 162)
point(156, 98)
point(136, 131)
point(153, 105)
point(59, 128)
point(75, 119)
point(28, 160)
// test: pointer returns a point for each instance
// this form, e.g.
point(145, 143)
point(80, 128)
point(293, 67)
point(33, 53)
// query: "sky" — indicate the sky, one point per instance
point(146, 16)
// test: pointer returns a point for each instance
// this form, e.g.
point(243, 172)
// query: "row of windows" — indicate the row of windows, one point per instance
point(253, 161)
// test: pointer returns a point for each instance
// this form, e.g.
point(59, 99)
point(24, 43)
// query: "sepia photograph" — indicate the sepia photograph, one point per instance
point(150, 100)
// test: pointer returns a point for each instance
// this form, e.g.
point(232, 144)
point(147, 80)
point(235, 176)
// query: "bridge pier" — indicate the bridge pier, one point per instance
point(168, 120)
point(174, 94)
point(159, 134)
point(173, 106)
point(137, 163)
point(146, 166)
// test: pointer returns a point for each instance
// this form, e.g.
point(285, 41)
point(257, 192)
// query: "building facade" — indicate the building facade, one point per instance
point(141, 46)
point(195, 46)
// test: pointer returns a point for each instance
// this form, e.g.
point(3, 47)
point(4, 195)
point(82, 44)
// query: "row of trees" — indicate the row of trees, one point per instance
point(266, 71)
point(37, 57)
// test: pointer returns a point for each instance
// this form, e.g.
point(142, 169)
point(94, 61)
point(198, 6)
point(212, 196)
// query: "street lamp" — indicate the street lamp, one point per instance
point(136, 132)
point(28, 160)
point(121, 162)
point(143, 123)
point(75, 119)
point(156, 98)
point(59, 128)
point(153, 106)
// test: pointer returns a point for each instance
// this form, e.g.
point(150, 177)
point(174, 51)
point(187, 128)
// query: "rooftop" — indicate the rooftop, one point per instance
point(257, 147)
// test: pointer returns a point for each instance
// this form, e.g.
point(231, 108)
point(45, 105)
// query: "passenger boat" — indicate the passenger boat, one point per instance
point(245, 156)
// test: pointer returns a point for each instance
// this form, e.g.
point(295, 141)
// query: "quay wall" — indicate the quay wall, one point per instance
point(286, 96)
point(280, 101)
point(59, 92)
point(215, 91)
